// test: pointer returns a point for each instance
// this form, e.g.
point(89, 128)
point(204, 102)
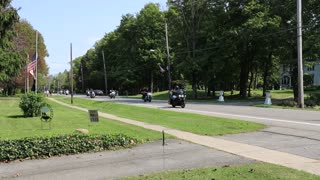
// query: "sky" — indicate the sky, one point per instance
point(80, 22)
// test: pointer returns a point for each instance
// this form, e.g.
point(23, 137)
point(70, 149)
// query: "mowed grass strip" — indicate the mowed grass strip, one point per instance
point(199, 124)
point(65, 120)
point(261, 171)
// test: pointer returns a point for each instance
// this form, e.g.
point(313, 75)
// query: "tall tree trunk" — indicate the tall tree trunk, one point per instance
point(267, 67)
point(265, 79)
point(251, 80)
point(244, 78)
point(151, 85)
point(255, 81)
point(194, 85)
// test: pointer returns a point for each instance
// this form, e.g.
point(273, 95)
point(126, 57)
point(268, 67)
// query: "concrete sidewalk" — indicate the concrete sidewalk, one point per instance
point(244, 150)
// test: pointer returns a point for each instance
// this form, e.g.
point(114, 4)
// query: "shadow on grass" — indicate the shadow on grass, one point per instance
point(16, 116)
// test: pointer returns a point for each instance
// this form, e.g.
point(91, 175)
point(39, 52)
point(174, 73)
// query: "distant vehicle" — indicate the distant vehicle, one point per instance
point(98, 92)
point(112, 94)
point(146, 94)
point(92, 94)
point(177, 97)
point(147, 97)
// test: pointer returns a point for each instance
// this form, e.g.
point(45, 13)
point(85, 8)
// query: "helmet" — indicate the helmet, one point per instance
point(176, 88)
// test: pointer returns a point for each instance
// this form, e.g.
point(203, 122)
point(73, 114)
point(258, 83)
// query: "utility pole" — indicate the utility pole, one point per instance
point(82, 78)
point(71, 74)
point(105, 73)
point(300, 64)
point(168, 59)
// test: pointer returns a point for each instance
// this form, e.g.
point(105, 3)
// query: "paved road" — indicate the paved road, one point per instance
point(292, 131)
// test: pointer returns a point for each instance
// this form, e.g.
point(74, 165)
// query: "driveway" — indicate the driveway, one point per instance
point(145, 158)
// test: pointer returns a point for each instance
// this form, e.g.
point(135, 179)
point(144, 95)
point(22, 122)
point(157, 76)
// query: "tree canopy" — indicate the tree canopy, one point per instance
point(17, 46)
point(218, 44)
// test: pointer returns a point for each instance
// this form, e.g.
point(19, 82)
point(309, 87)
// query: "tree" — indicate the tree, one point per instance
point(16, 43)
point(151, 40)
point(25, 41)
point(10, 61)
point(187, 16)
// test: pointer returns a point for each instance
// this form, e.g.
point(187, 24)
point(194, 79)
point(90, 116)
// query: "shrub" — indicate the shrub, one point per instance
point(310, 103)
point(30, 104)
point(289, 103)
point(315, 97)
point(32, 148)
point(312, 88)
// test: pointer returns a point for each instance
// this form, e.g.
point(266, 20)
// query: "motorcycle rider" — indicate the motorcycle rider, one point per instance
point(112, 93)
point(92, 94)
point(176, 91)
point(144, 92)
point(177, 97)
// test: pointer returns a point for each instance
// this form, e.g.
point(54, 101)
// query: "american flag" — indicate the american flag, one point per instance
point(32, 64)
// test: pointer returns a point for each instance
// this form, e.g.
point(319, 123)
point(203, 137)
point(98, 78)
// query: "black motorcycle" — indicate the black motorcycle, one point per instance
point(178, 98)
point(92, 94)
point(112, 94)
point(147, 96)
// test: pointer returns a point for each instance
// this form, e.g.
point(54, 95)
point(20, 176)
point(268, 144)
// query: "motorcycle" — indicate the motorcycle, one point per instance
point(147, 96)
point(92, 94)
point(112, 94)
point(177, 98)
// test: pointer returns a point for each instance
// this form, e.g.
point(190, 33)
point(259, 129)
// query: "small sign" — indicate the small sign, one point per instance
point(46, 112)
point(94, 117)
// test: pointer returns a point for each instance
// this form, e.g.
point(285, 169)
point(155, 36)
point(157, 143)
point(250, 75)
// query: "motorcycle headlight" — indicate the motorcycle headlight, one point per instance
point(181, 95)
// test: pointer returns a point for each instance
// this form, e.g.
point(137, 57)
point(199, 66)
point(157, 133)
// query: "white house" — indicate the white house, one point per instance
point(314, 72)
point(285, 76)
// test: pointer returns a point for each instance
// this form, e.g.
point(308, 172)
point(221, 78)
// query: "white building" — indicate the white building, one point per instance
point(285, 75)
point(314, 72)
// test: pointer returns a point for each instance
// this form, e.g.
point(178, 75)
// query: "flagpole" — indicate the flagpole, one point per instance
point(25, 77)
point(36, 75)
point(27, 74)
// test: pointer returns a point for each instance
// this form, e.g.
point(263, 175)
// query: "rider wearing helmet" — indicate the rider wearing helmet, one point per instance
point(144, 92)
point(176, 90)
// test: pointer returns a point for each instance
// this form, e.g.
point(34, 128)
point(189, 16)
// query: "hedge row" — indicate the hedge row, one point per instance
point(33, 148)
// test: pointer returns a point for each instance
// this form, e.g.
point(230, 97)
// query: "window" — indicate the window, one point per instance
point(310, 68)
point(285, 80)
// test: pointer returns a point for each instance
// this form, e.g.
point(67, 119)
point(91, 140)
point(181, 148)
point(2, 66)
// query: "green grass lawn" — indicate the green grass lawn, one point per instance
point(199, 124)
point(14, 126)
point(255, 171)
